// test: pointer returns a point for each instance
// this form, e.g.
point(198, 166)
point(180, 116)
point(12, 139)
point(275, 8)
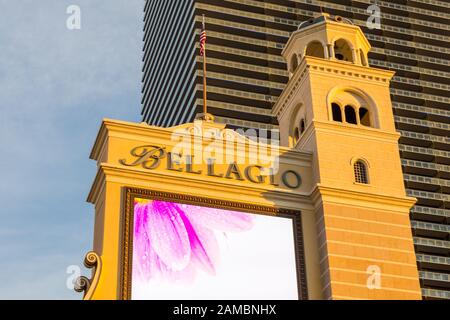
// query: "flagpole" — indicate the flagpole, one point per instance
point(205, 101)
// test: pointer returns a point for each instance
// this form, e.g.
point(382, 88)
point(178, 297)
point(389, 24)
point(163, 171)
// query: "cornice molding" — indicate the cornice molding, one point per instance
point(322, 194)
point(356, 131)
point(144, 133)
point(230, 190)
point(347, 69)
point(98, 187)
point(312, 65)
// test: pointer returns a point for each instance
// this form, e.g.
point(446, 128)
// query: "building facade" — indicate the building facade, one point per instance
point(247, 74)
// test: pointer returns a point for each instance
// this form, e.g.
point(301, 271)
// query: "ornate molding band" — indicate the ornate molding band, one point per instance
point(83, 284)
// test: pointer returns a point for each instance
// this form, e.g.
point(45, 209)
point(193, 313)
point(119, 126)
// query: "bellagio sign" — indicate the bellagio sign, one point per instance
point(154, 157)
point(178, 210)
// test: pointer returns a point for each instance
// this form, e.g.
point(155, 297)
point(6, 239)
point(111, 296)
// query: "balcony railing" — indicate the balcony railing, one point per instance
point(422, 136)
point(442, 261)
point(425, 165)
point(428, 195)
point(434, 276)
point(427, 180)
point(427, 151)
point(424, 123)
point(432, 243)
point(415, 108)
point(430, 226)
point(431, 211)
point(435, 294)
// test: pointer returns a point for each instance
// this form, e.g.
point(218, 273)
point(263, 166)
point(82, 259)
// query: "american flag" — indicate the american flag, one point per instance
point(202, 41)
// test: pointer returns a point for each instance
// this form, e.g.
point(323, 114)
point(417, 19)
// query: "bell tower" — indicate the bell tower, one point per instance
point(339, 108)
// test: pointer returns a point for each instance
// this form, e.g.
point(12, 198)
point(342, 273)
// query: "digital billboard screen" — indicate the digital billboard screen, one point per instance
point(190, 252)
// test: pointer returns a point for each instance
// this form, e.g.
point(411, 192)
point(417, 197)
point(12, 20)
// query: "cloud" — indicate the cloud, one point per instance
point(55, 87)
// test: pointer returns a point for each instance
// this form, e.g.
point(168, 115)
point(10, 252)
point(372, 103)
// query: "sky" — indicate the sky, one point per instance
point(56, 86)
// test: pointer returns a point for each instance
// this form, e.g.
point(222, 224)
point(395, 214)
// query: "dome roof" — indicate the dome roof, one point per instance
point(323, 17)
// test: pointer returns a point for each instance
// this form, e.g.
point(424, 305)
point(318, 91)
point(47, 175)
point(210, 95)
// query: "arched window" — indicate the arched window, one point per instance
point(350, 115)
point(294, 63)
point(364, 117)
point(361, 172)
point(337, 113)
point(343, 51)
point(352, 106)
point(315, 49)
point(302, 126)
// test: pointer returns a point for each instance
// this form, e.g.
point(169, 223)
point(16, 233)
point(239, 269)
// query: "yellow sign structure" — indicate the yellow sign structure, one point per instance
point(337, 175)
point(137, 159)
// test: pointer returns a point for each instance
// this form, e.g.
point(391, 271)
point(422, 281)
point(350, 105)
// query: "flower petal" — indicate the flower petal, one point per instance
point(204, 245)
point(168, 235)
point(217, 219)
point(141, 243)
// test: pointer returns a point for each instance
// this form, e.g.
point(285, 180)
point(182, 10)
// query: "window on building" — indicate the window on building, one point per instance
point(337, 113)
point(361, 172)
point(343, 51)
point(315, 49)
point(364, 116)
point(302, 126)
point(353, 107)
point(350, 115)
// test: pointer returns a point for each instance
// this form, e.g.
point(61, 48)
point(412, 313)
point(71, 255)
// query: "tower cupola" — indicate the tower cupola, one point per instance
point(327, 37)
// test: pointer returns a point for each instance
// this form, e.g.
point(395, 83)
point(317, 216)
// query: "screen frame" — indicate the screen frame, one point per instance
point(127, 226)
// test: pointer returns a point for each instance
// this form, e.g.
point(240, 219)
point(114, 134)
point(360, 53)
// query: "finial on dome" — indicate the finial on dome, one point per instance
point(322, 13)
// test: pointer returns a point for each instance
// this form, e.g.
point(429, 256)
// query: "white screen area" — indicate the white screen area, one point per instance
point(183, 252)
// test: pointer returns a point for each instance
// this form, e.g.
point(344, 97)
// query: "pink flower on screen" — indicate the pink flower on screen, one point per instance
point(173, 241)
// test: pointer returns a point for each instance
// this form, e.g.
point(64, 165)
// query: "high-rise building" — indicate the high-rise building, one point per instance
point(247, 74)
